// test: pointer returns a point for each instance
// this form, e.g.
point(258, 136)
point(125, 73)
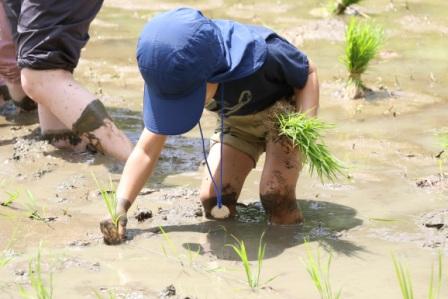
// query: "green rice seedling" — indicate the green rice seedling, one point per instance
point(35, 212)
point(109, 197)
point(363, 39)
point(41, 288)
point(12, 197)
point(253, 280)
point(405, 280)
point(306, 134)
point(5, 258)
point(170, 250)
point(169, 246)
point(338, 7)
point(5, 255)
point(320, 273)
point(435, 281)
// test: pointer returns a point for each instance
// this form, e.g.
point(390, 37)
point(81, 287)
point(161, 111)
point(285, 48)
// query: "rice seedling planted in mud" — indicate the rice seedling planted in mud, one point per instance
point(109, 197)
point(4, 258)
point(320, 273)
point(253, 280)
point(6, 254)
point(363, 40)
point(306, 134)
point(35, 212)
point(41, 288)
point(405, 280)
point(169, 246)
point(338, 7)
point(12, 197)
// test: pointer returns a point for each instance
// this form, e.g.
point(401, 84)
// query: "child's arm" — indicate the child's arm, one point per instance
point(307, 98)
point(138, 168)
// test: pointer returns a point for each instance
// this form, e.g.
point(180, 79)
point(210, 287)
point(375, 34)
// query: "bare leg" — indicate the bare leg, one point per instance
point(77, 109)
point(237, 166)
point(278, 183)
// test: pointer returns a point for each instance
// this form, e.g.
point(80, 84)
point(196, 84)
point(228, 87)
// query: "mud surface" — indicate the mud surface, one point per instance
point(394, 200)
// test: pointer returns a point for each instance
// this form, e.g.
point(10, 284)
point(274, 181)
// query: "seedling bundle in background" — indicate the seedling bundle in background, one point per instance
point(363, 39)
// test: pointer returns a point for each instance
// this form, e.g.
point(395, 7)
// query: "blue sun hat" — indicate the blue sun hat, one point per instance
point(179, 52)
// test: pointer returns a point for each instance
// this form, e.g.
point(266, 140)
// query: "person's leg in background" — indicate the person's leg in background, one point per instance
point(48, 57)
point(10, 87)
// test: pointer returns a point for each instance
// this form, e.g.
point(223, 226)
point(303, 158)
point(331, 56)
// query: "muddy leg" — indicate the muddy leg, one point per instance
point(57, 134)
point(237, 166)
point(77, 109)
point(278, 183)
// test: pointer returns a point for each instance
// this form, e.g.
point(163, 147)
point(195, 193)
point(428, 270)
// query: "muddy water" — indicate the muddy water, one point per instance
point(393, 202)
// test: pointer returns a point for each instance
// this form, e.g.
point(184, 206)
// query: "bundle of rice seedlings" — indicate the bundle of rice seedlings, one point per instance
point(338, 7)
point(363, 40)
point(305, 133)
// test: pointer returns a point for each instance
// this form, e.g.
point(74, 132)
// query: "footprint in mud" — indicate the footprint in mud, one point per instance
point(434, 181)
point(435, 227)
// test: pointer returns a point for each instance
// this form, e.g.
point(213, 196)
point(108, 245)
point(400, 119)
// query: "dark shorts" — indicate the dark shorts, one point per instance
point(51, 33)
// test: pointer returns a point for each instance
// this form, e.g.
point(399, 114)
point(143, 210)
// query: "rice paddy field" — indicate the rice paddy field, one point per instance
point(380, 231)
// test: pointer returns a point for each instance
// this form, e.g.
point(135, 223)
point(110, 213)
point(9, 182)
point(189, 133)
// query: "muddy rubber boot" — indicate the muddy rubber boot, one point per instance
point(114, 234)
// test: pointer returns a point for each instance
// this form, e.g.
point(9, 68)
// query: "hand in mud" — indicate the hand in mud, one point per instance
point(114, 234)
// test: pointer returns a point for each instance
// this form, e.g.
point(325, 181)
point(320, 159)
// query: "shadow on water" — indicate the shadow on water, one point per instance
point(324, 223)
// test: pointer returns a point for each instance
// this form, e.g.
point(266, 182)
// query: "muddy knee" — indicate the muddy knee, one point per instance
point(281, 208)
point(229, 200)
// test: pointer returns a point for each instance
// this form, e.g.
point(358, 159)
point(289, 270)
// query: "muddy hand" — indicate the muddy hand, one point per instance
point(114, 234)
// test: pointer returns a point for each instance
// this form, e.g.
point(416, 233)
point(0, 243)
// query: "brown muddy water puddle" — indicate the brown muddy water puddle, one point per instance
point(395, 201)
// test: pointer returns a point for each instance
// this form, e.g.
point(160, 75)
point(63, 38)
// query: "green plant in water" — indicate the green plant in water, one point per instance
point(320, 273)
point(253, 280)
point(5, 257)
point(109, 197)
point(41, 289)
point(7, 254)
point(35, 212)
point(306, 134)
point(12, 197)
point(405, 280)
point(169, 246)
point(338, 7)
point(363, 40)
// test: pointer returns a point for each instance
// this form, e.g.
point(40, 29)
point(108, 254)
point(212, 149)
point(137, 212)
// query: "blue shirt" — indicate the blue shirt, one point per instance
point(284, 69)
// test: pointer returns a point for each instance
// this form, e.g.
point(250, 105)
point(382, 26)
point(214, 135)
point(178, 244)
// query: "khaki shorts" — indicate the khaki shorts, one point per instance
point(248, 133)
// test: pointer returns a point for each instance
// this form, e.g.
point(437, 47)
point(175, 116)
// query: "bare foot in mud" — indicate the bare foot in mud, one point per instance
point(114, 234)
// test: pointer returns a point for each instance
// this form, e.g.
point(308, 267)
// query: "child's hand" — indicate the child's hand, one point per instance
point(114, 234)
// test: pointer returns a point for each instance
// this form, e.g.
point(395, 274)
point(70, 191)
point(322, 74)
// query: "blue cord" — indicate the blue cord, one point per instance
point(218, 191)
